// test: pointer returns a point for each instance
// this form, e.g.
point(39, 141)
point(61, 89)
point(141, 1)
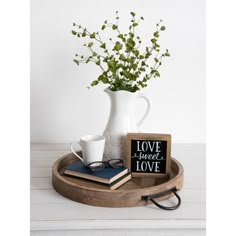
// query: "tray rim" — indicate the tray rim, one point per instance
point(171, 181)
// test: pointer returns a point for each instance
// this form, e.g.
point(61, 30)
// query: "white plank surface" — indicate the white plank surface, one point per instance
point(52, 214)
point(146, 232)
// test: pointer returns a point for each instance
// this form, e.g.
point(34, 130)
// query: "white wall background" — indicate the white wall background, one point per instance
point(63, 109)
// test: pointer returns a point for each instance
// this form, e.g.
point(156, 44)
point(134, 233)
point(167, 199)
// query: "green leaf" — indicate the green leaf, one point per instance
point(156, 34)
point(103, 46)
point(84, 34)
point(141, 57)
point(137, 73)
point(130, 43)
point(167, 54)
point(98, 62)
point(103, 27)
point(114, 27)
point(103, 78)
point(122, 57)
point(73, 32)
point(93, 35)
point(76, 61)
point(118, 46)
point(129, 60)
point(135, 24)
point(119, 66)
point(136, 53)
point(148, 55)
point(74, 24)
point(134, 66)
point(133, 14)
point(111, 64)
point(157, 74)
point(163, 28)
point(94, 54)
point(153, 40)
point(155, 59)
point(141, 18)
point(90, 44)
point(126, 74)
point(131, 35)
point(94, 83)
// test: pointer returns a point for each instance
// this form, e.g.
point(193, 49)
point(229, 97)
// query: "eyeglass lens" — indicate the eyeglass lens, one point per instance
point(96, 166)
point(99, 166)
point(115, 163)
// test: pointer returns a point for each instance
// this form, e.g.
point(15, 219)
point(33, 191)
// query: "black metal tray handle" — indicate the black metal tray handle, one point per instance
point(158, 195)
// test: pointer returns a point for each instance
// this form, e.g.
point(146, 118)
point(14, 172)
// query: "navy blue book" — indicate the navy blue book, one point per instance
point(107, 176)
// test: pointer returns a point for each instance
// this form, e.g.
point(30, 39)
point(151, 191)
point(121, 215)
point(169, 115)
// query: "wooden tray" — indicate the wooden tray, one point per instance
point(128, 195)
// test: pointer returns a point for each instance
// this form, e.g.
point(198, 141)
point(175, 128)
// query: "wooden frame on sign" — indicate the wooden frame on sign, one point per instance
point(148, 154)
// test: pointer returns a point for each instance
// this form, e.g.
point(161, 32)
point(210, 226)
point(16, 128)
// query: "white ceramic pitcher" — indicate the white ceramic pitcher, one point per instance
point(121, 121)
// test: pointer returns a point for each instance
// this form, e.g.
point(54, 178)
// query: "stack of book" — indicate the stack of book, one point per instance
point(109, 178)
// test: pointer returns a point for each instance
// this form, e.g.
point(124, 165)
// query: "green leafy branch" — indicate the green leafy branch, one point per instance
point(124, 66)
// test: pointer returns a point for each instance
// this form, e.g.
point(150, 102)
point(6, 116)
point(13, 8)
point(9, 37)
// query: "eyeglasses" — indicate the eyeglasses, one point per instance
point(101, 165)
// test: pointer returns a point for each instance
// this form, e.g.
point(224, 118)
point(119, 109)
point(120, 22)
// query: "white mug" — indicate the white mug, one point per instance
point(92, 148)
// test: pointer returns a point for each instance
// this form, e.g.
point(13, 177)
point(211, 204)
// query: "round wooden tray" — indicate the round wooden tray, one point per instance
point(128, 195)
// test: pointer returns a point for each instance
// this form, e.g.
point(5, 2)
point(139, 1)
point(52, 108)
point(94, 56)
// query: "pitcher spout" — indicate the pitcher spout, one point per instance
point(107, 90)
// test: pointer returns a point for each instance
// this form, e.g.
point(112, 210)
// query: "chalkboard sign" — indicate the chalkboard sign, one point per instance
point(148, 154)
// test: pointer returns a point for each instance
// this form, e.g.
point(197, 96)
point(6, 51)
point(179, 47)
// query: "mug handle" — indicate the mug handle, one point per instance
point(141, 95)
point(71, 147)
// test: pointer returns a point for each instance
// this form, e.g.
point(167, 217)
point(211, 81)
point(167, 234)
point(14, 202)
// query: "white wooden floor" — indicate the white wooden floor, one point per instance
point(54, 215)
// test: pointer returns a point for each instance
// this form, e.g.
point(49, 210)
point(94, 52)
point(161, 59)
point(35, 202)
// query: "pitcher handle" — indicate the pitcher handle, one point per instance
point(141, 95)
